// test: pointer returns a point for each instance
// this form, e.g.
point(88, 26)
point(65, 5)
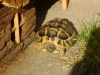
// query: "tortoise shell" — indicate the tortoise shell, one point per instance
point(56, 32)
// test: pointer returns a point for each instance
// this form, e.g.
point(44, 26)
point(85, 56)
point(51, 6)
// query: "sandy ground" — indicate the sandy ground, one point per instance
point(33, 62)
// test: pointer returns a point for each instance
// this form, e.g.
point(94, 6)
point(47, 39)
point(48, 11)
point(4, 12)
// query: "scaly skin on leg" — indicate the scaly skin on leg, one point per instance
point(38, 46)
point(62, 51)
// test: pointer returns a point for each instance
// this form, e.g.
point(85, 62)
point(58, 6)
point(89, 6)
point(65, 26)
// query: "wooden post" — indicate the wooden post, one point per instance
point(64, 4)
point(16, 26)
point(23, 19)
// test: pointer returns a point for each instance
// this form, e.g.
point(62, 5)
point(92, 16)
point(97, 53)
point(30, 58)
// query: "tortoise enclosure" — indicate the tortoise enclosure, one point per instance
point(9, 48)
point(32, 62)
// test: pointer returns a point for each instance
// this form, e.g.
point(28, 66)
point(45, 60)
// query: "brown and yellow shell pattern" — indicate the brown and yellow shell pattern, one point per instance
point(56, 36)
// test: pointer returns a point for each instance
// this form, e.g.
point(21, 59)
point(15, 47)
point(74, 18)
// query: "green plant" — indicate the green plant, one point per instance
point(91, 36)
point(92, 25)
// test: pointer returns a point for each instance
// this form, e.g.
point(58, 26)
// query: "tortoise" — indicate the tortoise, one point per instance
point(56, 36)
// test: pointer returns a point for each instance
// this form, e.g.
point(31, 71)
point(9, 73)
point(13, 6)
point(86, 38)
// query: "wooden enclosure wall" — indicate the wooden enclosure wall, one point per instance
point(8, 46)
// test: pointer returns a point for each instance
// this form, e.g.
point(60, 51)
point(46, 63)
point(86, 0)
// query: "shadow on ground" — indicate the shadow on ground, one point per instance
point(90, 64)
point(42, 7)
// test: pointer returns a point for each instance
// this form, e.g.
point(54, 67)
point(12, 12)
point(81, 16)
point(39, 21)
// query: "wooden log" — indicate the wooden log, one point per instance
point(64, 4)
point(16, 25)
point(23, 19)
point(8, 47)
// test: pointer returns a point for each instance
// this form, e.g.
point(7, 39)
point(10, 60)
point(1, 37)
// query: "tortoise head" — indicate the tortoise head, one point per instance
point(50, 47)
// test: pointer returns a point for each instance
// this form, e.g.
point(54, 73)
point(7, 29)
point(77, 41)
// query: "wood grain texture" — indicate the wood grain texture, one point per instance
point(14, 3)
